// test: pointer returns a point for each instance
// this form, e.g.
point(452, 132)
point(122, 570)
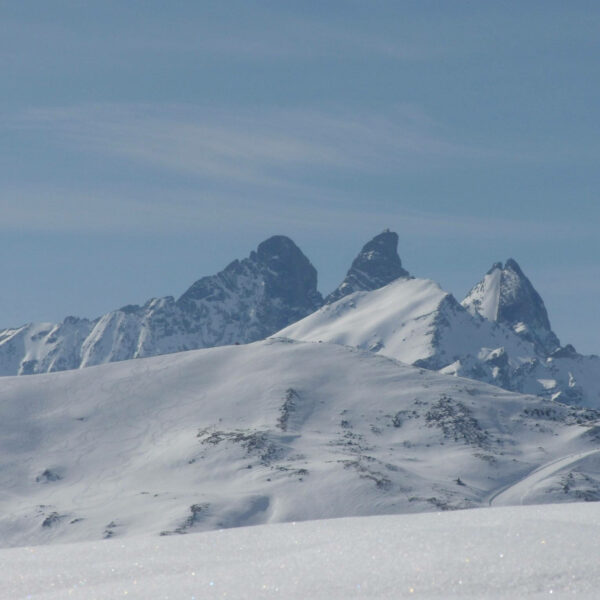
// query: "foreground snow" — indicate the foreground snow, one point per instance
point(516, 552)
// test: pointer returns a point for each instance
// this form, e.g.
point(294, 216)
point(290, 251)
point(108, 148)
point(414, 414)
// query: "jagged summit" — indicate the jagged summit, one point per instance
point(295, 278)
point(278, 245)
point(376, 265)
point(247, 301)
point(415, 321)
point(501, 334)
point(505, 295)
point(495, 266)
point(278, 264)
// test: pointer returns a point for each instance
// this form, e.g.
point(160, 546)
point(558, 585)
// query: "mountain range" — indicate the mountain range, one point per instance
point(500, 333)
point(373, 400)
point(247, 301)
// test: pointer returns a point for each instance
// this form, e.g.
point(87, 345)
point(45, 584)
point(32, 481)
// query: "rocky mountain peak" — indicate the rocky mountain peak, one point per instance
point(513, 265)
point(254, 297)
point(277, 266)
point(248, 300)
point(278, 246)
point(290, 276)
point(376, 265)
point(495, 266)
point(505, 295)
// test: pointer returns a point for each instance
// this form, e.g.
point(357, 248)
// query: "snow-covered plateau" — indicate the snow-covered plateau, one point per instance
point(546, 551)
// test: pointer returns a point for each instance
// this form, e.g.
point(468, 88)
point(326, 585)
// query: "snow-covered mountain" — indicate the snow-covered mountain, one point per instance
point(506, 296)
point(247, 301)
point(500, 334)
point(269, 432)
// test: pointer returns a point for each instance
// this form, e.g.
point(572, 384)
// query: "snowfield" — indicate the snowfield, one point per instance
point(139, 479)
point(497, 553)
point(272, 432)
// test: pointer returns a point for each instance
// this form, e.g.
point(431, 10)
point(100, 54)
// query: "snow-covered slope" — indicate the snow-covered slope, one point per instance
point(410, 320)
point(498, 553)
point(247, 301)
point(506, 296)
point(498, 338)
point(268, 432)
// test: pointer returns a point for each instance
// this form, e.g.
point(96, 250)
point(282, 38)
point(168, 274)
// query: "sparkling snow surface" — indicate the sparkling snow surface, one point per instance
point(517, 552)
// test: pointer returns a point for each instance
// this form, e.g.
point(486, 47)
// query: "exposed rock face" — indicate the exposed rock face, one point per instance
point(377, 265)
point(247, 301)
point(277, 284)
point(506, 296)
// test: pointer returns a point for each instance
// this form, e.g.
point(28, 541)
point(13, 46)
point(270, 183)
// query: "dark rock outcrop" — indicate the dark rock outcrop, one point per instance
point(247, 301)
point(376, 265)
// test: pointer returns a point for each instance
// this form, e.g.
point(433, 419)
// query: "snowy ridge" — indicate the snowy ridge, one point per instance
point(415, 321)
point(500, 334)
point(268, 432)
point(396, 320)
point(247, 301)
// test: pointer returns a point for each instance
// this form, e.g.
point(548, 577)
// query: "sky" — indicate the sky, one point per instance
point(145, 144)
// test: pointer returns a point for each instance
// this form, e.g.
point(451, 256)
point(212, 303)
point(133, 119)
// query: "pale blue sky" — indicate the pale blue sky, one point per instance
point(145, 144)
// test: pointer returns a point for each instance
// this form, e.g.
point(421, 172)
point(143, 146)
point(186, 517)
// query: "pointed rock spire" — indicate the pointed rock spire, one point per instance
point(290, 277)
point(377, 265)
point(506, 296)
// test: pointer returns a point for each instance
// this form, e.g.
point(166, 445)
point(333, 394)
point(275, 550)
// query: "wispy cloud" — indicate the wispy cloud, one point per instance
point(269, 147)
point(185, 211)
point(276, 168)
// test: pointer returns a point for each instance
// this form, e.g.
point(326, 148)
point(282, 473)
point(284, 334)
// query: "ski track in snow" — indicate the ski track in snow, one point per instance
point(515, 493)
